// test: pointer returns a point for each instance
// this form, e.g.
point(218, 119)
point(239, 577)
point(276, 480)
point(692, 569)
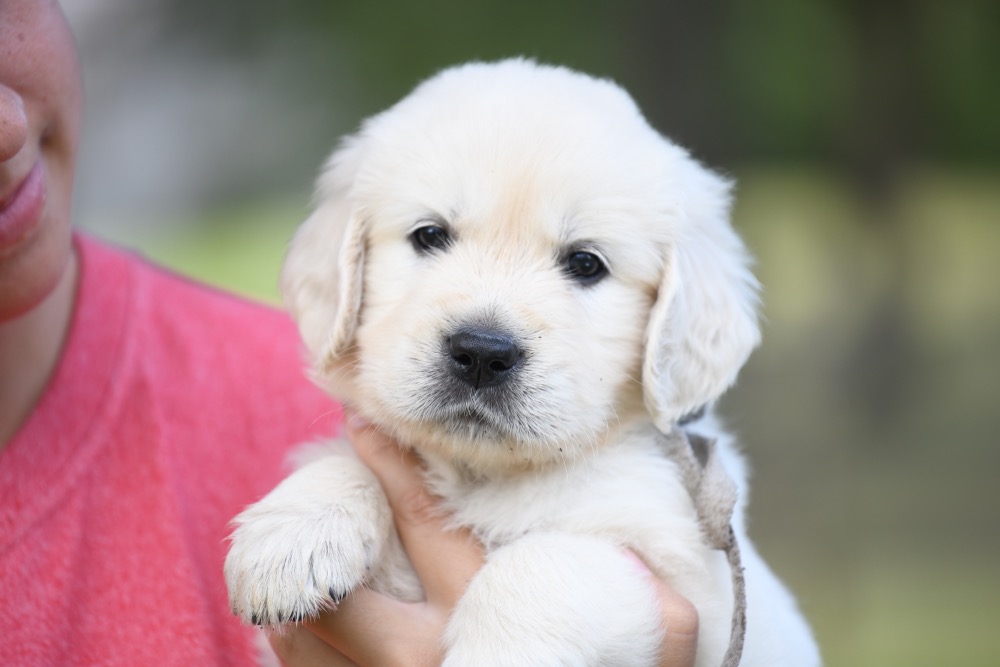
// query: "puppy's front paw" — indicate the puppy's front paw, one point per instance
point(307, 544)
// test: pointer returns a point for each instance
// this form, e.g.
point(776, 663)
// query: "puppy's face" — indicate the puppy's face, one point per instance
point(506, 323)
point(493, 270)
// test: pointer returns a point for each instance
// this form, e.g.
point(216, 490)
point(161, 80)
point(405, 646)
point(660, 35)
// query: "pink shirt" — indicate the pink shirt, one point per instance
point(172, 408)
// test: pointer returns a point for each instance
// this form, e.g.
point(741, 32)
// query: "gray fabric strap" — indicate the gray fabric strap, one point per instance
point(714, 494)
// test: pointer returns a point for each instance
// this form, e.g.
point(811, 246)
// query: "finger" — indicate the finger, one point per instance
point(298, 647)
point(445, 560)
point(677, 615)
point(376, 630)
point(680, 618)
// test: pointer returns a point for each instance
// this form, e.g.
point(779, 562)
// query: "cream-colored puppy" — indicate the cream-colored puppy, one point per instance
point(513, 273)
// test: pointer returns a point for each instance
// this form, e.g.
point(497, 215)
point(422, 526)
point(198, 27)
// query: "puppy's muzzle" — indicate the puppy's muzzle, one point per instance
point(482, 357)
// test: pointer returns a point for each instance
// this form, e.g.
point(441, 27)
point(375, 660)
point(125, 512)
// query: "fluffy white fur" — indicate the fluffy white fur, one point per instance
point(560, 468)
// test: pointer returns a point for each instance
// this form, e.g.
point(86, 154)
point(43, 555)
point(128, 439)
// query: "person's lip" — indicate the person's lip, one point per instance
point(21, 208)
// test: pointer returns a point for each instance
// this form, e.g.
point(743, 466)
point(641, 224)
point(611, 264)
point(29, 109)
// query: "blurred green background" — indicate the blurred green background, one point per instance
point(865, 140)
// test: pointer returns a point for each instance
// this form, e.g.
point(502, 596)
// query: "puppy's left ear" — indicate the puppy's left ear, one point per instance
point(703, 325)
point(322, 275)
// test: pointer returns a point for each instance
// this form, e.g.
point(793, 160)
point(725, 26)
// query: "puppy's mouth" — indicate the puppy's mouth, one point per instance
point(474, 421)
point(478, 419)
point(491, 415)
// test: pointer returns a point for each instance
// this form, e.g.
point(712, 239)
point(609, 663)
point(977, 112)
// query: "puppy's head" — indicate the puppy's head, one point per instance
point(510, 263)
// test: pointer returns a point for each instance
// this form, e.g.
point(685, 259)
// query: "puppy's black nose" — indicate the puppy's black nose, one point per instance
point(482, 357)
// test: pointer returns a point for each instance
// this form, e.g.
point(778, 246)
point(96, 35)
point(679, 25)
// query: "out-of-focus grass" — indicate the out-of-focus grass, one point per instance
point(901, 608)
point(870, 413)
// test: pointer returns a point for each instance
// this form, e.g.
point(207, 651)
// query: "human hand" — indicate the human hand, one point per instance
point(369, 629)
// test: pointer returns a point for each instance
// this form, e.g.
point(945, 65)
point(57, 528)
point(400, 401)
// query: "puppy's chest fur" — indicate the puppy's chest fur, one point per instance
point(628, 492)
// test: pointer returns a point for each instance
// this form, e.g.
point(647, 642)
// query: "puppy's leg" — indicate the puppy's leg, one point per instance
point(555, 599)
point(308, 543)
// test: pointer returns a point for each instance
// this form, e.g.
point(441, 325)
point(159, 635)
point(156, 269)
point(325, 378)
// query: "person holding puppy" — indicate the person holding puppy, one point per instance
point(139, 412)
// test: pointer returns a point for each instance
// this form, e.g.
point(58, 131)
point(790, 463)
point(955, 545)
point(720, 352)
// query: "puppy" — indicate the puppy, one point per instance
point(515, 275)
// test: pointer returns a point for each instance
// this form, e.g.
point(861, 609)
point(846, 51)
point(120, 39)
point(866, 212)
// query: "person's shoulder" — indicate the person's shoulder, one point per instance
point(212, 366)
point(181, 326)
point(180, 305)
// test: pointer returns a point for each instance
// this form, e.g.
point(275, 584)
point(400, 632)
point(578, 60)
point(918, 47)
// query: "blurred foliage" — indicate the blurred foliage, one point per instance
point(850, 81)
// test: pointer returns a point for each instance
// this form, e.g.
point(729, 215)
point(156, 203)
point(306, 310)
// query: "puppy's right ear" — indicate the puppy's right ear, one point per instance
point(321, 279)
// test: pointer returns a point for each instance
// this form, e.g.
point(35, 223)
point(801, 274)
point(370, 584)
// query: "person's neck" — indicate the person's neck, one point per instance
point(30, 347)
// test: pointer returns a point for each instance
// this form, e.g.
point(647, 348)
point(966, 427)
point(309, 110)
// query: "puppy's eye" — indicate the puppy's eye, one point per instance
point(429, 238)
point(584, 267)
